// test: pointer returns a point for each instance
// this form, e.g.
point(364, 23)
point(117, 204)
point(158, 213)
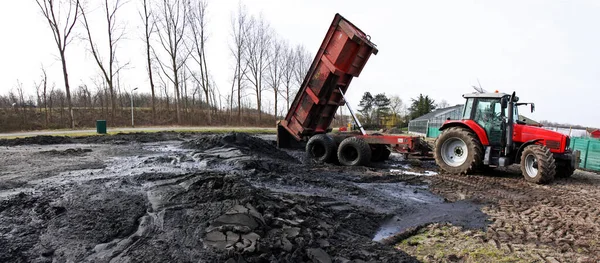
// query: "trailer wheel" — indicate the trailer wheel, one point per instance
point(537, 164)
point(321, 148)
point(353, 152)
point(380, 153)
point(564, 169)
point(458, 151)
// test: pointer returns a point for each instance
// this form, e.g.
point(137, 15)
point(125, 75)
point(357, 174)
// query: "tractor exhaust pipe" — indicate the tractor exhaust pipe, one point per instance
point(509, 125)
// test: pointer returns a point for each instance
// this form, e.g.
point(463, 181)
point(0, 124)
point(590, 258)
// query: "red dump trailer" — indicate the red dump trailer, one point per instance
point(341, 57)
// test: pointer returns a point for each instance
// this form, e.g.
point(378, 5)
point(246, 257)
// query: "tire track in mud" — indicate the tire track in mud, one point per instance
point(564, 215)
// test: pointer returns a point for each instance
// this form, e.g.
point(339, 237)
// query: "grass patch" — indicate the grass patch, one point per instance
point(446, 243)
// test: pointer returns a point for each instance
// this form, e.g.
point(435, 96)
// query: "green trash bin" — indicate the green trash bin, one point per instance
point(101, 126)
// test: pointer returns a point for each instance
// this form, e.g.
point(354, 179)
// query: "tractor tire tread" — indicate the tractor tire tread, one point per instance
point(363, 149)
point(474, 146)
point(546, 164)
point(328, 143)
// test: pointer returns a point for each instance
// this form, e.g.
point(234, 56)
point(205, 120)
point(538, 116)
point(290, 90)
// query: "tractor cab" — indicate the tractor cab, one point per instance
point(489, 111)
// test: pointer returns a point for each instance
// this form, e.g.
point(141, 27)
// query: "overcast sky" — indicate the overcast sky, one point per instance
point(546, 51)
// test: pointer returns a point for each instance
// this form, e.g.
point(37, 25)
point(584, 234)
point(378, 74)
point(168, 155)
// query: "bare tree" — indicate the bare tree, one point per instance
point(442, 104)
point(199, 37)
point(44, 86)
point(302, 65)
point(61, 23)
point(257, 58)
point(165, 89)
point(232, 94)
point(240, 24)
point(397, 107)
point(172, 26)
point(275, 70)
point(288, 72)
point(149, 28)
point(107, 64)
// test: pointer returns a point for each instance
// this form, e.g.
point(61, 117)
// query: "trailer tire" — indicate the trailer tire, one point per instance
point(354, 152)
point(458, 151)
point(564, 169)
point(321, 148)
point(380, 153)
point(538, 164)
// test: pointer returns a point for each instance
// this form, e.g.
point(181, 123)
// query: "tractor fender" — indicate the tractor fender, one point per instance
point(522, 147)
point(469, 125)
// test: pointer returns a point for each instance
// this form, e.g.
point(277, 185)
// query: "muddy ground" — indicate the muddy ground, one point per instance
point(182, 197)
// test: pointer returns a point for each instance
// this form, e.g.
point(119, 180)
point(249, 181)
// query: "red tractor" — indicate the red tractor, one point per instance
point(490, 134)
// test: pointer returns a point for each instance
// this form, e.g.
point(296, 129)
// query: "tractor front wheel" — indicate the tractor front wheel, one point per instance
point(537, 164)
point(458, 151)
point(354, 152)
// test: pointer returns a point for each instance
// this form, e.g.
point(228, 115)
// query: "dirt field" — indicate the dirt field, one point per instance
point(184, 197)
point(559, 222)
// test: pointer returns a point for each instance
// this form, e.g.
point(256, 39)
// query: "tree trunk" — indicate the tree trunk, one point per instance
point(67, 89)
point(239, 82)
point(275, 104)
point(151, 82)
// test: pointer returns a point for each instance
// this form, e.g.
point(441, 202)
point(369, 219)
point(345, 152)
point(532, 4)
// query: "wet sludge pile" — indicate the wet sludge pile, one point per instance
point(220, 217)
point(239, 151)
point(213, 214)
point(226, 218)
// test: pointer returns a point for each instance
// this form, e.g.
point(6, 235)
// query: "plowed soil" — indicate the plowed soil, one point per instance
point(559, 222)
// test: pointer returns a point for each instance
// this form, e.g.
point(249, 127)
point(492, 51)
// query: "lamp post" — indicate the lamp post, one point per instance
point(131, 96)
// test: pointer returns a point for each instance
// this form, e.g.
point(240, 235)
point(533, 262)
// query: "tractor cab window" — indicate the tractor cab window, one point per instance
point(488, 114)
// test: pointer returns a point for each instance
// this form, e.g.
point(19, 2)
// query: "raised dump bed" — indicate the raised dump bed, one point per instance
point(341, 57)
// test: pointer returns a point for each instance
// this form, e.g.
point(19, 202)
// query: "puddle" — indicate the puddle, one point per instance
point(426, 173)
point(426, 208)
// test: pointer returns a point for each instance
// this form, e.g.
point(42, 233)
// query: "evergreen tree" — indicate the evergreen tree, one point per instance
point(382, 106)
point(421, 106)
point(366, 107)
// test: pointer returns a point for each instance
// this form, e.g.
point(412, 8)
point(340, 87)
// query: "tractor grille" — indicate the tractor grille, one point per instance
point(553, 144)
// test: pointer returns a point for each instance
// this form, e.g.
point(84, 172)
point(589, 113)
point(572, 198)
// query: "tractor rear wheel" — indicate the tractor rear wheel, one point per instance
point(537, 164)
point(321, 148)
point(458, 151)
point(564, 169)
point(354, 152)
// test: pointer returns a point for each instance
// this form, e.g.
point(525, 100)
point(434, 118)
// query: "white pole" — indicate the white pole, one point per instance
point(131, 96)
point(362, 131)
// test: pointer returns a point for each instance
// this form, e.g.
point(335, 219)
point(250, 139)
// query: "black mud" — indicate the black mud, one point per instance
point(220, 198)
point(120, 138)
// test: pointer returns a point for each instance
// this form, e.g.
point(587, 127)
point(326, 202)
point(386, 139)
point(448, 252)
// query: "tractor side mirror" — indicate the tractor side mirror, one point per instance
point(504, 102)
point(532, 107)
